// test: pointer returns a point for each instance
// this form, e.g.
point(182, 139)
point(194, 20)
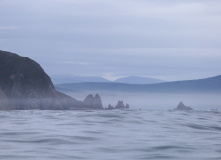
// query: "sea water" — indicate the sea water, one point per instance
point(110, 135)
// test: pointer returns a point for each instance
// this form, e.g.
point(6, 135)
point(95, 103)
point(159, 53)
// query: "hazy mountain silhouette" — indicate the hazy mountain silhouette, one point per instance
point(59, 79)
point(212, 84)
point(138, 80)
point(76, 79)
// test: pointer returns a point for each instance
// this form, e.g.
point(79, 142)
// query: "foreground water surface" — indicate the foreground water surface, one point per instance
point(110, 135)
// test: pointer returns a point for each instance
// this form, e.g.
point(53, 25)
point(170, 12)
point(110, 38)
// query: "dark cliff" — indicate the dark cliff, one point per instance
point(25, 85)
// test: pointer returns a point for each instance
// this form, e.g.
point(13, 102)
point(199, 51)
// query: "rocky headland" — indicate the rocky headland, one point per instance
point(24, 85)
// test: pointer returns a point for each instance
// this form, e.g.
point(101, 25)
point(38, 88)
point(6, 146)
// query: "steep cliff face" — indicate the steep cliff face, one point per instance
point(3, 100)
point(25, 85)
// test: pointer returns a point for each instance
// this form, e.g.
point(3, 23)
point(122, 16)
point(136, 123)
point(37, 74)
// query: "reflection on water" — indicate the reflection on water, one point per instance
point(110, 135)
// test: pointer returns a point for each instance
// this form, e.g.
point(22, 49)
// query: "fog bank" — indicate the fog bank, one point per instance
point(155, 101)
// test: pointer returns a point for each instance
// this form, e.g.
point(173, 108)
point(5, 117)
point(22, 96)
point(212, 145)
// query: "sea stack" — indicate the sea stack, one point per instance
point(110, 107)
point(93, 102)
point(120, 104)
point(181, 106)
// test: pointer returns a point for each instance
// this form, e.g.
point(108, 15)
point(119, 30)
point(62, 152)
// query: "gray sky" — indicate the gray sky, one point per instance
point(167, 39)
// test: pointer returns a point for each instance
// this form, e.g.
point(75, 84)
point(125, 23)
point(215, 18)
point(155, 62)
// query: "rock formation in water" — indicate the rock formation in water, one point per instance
point(93, 102)
point(181, 106)
point(25, 85)
point(110, 107)
point(120, 105)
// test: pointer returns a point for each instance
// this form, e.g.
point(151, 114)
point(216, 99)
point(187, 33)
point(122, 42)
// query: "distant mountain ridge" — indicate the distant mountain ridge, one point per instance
point(76, 79)
point(138, 80)
point(81, 79)
point(212, 84)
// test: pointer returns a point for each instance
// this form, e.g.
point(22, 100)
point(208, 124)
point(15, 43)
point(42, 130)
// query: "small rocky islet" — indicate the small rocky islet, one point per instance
point(24, 85)
point(120, 105)
point(182, 107)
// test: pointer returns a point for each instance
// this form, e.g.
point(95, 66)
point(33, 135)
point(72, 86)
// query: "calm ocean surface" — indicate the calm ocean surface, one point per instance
point(110, 135)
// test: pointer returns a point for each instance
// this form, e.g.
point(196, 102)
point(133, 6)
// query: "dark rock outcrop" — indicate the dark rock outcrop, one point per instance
point(181, 106)
point(110, 107)
point(3, 100)
point(97, 102)
point(25, 85)
point(89, 100)
point(120, 104)
point(93, 102)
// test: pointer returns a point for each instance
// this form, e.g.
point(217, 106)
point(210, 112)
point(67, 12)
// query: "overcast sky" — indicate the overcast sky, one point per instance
point(166, 39)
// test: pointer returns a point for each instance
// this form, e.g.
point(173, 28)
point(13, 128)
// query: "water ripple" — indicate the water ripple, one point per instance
point(110, 135)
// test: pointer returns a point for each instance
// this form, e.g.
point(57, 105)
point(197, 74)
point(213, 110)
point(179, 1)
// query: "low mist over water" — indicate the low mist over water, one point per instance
point(110, 135)
point(156, 101)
